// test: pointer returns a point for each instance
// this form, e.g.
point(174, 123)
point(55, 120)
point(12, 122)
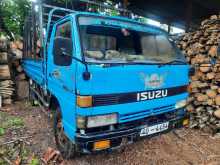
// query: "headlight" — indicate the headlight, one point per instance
point(180, 104)
point(102, 120)
point(81, 122)
point(96, 121)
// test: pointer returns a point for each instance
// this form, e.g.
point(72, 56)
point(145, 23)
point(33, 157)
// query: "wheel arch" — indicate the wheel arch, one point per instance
point(54, 103)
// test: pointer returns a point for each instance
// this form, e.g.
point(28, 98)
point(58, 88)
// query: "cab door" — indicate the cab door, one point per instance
point(61, 71)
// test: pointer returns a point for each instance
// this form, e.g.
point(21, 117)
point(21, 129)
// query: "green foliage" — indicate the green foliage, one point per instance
point(35, 161)
point(14, 12)
point(9, 122)
point(2, 131)
point(15, 122)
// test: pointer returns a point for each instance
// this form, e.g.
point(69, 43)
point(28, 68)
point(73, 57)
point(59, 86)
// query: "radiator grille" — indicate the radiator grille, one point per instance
point(145, 113)
point(113, 99)
point(122, 98)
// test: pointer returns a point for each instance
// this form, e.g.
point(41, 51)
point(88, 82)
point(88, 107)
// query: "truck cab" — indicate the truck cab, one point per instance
point(109, 80)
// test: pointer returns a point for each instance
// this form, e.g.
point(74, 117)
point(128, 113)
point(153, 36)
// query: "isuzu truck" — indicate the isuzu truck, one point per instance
point(109, 80)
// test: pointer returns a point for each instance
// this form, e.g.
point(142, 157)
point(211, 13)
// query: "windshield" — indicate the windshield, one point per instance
point(108, 41)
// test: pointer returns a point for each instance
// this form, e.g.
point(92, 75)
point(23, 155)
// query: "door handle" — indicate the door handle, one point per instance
point(66, 88)
point(55, 73)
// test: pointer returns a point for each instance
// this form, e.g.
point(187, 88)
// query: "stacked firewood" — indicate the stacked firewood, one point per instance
point(6, 84)
point(21, 84)
point(202, 52)
point(13, 82)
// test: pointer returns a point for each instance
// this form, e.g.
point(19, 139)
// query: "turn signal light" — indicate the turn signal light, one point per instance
point(101, 145)
point(185, 122)
point(84, 101)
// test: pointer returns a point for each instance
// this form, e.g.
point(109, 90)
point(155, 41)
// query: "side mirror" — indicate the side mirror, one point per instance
point(62, 51)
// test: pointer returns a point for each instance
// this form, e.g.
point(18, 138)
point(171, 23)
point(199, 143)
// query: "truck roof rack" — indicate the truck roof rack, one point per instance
point(39, 23)
point(51, 13)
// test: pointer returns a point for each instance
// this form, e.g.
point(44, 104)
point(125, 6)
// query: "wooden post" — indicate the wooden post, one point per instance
point(125, 4)
point(188, 14)
point(169, 27)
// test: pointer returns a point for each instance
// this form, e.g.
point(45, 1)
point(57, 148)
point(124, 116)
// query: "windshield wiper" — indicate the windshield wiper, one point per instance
point(128, 63)
point(142, 63)
point(173, 62)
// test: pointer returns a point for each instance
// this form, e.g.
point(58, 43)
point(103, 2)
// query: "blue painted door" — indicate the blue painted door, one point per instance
point(61, 72)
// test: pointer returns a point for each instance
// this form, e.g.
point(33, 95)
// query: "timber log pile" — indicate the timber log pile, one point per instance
point(19, 77)
point(6, 83)
point(201, 50)
point(13, 83)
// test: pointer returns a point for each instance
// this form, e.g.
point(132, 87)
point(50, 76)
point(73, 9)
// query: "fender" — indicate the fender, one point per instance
point(67, 117)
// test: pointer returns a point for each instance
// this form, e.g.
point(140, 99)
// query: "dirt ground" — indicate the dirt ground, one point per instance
point(182, 147)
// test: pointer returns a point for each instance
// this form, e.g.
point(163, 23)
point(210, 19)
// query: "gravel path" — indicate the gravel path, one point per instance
point(182, 147)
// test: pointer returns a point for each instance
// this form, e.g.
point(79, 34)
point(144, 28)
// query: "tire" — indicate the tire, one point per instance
point(64, 145)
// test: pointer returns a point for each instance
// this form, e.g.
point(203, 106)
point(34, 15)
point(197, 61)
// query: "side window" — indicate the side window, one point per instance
point(63, 45)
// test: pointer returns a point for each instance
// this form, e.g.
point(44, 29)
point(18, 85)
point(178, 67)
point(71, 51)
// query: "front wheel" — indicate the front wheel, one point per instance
point(65, 146)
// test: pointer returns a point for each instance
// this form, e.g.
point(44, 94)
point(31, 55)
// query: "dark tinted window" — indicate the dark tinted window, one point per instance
point(63, 45)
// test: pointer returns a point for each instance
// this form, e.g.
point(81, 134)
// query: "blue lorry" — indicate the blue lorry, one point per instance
point(108, 80)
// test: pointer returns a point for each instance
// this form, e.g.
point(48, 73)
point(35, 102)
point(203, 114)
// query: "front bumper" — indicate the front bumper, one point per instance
point(123, 136)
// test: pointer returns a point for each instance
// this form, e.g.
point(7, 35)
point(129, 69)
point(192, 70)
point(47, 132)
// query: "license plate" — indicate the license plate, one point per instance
point(149, 130)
